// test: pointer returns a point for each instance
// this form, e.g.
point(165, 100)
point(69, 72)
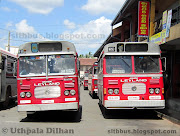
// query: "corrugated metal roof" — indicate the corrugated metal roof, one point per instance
point(119, 16)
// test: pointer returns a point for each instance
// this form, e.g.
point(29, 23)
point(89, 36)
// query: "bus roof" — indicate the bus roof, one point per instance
point(64, 47)
point(7, 53)
point(152, 49)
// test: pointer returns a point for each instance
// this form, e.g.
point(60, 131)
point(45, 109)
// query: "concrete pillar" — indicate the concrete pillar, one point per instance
point(134, 24)
point(122, 32)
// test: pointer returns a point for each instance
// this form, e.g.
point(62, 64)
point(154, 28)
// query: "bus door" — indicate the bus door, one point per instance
point(3, 78)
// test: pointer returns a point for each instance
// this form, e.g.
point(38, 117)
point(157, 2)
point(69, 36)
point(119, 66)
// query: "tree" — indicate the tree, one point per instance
point(81, 56)
point(88, 55)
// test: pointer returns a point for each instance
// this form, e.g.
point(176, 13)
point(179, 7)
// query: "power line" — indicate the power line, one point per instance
point(37, 41)
point(4, 29)
point(15, 40)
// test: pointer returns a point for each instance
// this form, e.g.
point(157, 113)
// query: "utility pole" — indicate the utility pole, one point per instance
point(9, 41)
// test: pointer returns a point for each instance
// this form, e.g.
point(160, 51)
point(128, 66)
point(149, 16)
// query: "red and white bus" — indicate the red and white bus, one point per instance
point(86, 80)
point(130, 76)
point(8, 81)
point(48, 76)
point(92, 80)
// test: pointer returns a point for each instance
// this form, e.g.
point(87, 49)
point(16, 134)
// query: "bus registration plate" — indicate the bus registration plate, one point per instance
point(47, 101)
point(133, 98)
point(113, 98)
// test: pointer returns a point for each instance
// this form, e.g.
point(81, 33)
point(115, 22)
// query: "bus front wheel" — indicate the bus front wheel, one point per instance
point(105, 112)
point(94, 95)
point(7, 99)
point(78, 114)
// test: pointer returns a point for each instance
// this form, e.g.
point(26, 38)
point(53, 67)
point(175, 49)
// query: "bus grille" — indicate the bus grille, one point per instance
point(47, 92)
point(133, 88)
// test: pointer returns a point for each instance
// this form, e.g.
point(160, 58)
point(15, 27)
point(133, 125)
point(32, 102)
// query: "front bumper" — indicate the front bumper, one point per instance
point(45, 107)
point(131, 104)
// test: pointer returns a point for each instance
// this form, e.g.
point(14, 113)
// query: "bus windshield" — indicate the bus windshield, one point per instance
point(32, 66)
point(146, 64)
point(36, 65)
point(118, 64)
point(61, 64)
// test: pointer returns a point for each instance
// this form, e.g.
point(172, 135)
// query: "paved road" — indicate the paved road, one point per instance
point(92, 122)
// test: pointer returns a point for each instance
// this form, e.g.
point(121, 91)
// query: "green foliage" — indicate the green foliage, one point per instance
point(88, 55)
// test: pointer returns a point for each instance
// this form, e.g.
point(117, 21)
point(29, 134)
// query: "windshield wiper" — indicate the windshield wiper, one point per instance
point(136, 66)
point(125, 62)
point(153, 60)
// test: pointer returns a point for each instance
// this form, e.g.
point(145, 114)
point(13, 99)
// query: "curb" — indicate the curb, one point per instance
point(164, 116)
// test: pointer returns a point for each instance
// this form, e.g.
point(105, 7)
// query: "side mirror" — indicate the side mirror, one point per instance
point(78, 65)
point(163, 60)
point(15, 69)
point(1, 66)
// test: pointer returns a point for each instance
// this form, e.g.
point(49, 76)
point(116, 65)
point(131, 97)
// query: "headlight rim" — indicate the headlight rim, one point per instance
point(150, 90)
point(22, 93)
point(116, 90)
point(66, 91)
point(109, 90)
point(74, 92)
point(158, 90)
point(28, 93)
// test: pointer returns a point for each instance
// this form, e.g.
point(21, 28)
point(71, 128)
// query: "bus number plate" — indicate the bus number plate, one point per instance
point(114, 98)
point(47, 101)
point(133, 98)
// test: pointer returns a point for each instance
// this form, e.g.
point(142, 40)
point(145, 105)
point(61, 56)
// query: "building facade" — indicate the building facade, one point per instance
point(85, 64)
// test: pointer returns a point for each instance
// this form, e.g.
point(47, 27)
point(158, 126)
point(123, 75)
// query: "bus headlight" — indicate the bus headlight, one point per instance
point(22, 94)
point(157, 90)
point(116, 91)
point(28, 94)
point(72, 92)
point(66, 92)
point(151, 90)
point(110, 91)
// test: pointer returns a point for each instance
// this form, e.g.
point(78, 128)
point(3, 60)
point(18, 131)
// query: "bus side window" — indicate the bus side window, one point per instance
point(10, 66)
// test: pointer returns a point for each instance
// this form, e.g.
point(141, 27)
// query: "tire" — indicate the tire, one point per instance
point(100, 103)
point(85, 88)
point(7, 100)
point(105, 113)
point(30, 116)
point(78, 114)
point(89, 93)
point(94, 95)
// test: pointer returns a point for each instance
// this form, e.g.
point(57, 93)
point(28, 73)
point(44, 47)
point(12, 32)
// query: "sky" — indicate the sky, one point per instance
point(86, 23)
